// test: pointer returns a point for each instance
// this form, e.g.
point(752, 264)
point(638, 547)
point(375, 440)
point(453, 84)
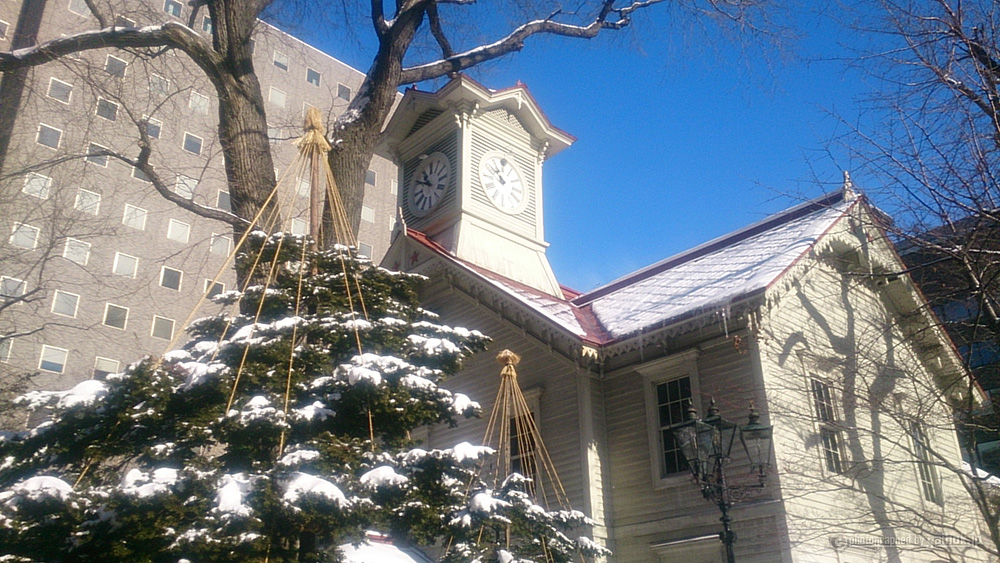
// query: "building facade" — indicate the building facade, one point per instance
point(96, 268)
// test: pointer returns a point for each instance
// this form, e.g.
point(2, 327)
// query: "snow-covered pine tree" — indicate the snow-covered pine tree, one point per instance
point(272, 439)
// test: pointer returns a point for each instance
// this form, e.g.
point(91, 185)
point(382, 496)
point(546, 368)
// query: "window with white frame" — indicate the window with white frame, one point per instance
point(162, 328)
point(134, 217)
point(392, 224)
point(303, 187)
point(220, 244)
point(79, 7)
point(159, 85)
point(24, 236)
point(830, 433)
point(115, 66)
point(670, 387)
point(223, 202)
point(12, 288)
point(343, 92)
point(192, 143)
point(65, 303)
point(364, 249)
point(5, 346)
point(170, 278)
point(299, 226)
point(172, 7)
point(76, 251)
point(87, 201)
point(153, 126)
point(104, 367)
point(96, 154)
point(930, 486)
point(37, 185)
point(178, 231)
point(4, 28)
point(213, 288)
point(107, 109)
point(370, 177)
point(276, 97)
point(206, 24)
point(367, 214)
point(59, 90)
point(185, 186)
point(312, 76)
point(199, 103)
point(53, 359)
point(115, 316)
point(48, 136)
point(523, 446)
point(125, 265)
point(280, 60)
point(393, 186)
point(140, 174)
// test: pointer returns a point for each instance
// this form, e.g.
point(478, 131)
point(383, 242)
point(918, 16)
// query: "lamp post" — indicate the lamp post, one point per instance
point(707, 444)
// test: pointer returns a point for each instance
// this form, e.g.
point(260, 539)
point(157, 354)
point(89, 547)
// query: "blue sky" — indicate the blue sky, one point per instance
point(682, 137)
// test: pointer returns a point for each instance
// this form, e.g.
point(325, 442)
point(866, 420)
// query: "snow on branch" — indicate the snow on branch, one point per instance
point(609, 17)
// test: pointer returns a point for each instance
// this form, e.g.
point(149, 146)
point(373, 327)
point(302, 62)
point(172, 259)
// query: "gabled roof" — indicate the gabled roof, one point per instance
point(715, 274)
point(710, 277)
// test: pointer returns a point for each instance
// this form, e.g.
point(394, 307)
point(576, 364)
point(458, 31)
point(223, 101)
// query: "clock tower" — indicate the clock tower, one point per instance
point(470, 175)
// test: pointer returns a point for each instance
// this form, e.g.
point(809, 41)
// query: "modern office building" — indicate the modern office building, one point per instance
point(96, 268)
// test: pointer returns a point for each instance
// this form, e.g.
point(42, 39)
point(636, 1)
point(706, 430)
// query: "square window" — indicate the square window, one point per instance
point(185, 186)
point(178, 231)
point(280, 60)
point(170, 278)
point(24, 236)
point(172, 7)
point(37, 185)
point(79, 7)
point(312, 77)
point(11, 288)
point(299, 227)
point(303, 187)
point(107, 109)
point(122, 21)
point(214, 288)
point(134, 217)
point(221, 245)
point(192, 143)
point(48, 136)
point(138, 174)
point(104, 367)
point(206, 24)
point(199, 103)
point(367, 214)
point(125, 265)
point(276, 97)
point(5, 349)
point(53, 359)
point(364, 249)
point(223, 202)
point(59, 90)
point(153, 126)
point(115, 66)
point(343, 92)
point(159, 85)
point(87, 201)
point(96, 154)
point(65, 304)
point(77, 251)
point(162, 327)
point(115, 316)
point(370, 177)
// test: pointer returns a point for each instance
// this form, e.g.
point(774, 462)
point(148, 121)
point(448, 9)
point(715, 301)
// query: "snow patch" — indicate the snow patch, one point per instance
point(383, 476)
point(300, 484)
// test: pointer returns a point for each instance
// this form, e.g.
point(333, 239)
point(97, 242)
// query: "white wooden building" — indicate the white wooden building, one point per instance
point(803, 313)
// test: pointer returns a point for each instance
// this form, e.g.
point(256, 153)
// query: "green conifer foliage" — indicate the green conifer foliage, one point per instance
point(151, 465)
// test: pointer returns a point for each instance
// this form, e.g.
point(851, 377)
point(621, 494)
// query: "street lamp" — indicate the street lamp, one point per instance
point(707, 444)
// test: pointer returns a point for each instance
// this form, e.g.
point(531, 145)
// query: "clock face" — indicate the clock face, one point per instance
point(502, 182)
point(429, 182)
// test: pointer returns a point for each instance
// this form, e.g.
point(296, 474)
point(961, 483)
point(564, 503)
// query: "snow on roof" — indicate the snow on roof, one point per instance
point(715, 274)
